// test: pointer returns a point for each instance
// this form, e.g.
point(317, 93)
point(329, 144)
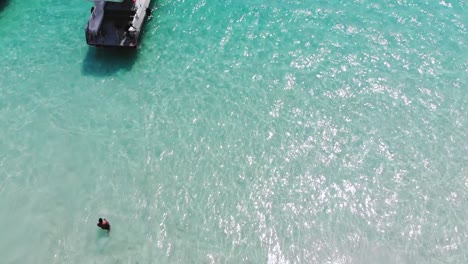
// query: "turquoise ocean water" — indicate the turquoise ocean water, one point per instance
point(240, 132)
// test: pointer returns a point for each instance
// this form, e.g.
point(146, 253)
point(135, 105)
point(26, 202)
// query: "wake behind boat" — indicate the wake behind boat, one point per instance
point(116, 23)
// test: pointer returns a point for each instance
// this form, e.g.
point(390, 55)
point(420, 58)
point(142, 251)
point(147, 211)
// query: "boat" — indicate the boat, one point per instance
point(116, 23)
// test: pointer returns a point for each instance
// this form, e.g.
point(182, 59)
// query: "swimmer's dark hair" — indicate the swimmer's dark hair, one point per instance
point(100, 220)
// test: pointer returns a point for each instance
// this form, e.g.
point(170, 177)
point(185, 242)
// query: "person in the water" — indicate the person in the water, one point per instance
point(104, 224)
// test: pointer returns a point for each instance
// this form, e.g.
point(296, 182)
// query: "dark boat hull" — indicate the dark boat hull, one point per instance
point(117, 24)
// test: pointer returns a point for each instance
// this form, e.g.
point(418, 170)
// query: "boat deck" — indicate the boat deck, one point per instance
point(112, 34)
point(114, 30)
point(117, 24)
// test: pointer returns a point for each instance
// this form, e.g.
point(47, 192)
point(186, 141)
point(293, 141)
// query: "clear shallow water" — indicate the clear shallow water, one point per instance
point(261, 132)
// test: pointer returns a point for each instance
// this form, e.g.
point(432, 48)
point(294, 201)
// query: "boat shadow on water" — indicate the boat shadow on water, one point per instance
point(3, 4)
point(105, 62)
